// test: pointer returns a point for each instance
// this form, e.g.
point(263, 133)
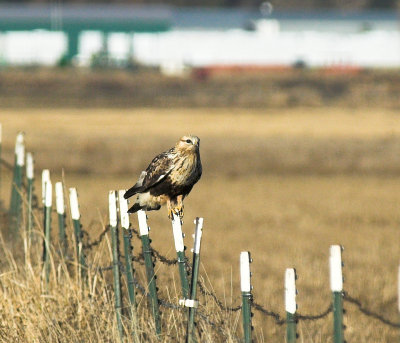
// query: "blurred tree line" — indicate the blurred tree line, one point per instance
point(286, 4)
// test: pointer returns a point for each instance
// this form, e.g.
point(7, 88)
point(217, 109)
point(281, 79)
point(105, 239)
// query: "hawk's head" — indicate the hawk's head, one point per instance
point(188, 143)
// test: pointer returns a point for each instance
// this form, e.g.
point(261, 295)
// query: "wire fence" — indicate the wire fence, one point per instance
point(279, 320)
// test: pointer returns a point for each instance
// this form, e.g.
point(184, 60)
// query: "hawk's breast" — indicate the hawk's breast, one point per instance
point(186, 172)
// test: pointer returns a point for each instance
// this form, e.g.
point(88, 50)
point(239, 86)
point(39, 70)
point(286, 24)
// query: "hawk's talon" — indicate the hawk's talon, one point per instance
point(178, 211)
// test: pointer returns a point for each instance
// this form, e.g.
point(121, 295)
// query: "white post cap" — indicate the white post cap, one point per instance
point(143, 228)
point(73, 202)
point(290, 290)
point(123, 209)
point(60, 198)
point(197, 235)
point(245, 271)
point(20, 153)
point(49, 194)
point(19, 141)
point(45, 178)
point(177, 230)
point(335, 262)
point(112, 206)
point(29, 166)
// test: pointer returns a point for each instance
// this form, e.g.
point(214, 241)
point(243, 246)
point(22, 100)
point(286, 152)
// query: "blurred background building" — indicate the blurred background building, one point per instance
point(230, 34)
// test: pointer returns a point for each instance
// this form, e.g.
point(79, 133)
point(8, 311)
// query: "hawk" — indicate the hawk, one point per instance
point(169, 178)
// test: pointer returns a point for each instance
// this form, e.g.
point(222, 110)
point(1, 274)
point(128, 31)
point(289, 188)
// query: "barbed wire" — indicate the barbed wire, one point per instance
point(368, 312)
point(300, 316)
point(96, 242)
point(163, 259)
point(219, 303)
point(138, 259)
point(258, 307)
point(171, 306)
point(6, 164)
point(278, 320)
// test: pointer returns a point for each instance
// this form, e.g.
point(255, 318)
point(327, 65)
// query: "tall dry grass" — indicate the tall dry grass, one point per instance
point(285, 217)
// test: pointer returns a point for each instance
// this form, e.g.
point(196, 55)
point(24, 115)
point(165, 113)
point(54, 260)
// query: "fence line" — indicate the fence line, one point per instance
point(148, 254)
point(258, 307)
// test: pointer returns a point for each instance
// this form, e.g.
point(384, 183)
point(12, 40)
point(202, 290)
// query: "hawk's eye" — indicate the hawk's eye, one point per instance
point(188, 141)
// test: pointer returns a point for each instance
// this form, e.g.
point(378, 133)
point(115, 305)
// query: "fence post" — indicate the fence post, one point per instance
point(123, 212)
point(30, 179)
point(336, 280)
point(290, 305)
point(45, 178)
point(192, 303)
point(45, 181)
point(16, 187)
point(151, 277)
point(61, 217)
point(246, 294)
point(1, 164)
point(47, 231)
point(75, 215)
point(180, 251)
point(398, 290)
point(112, 205)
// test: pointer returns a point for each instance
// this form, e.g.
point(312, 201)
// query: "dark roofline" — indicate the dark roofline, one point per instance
point(85, 11)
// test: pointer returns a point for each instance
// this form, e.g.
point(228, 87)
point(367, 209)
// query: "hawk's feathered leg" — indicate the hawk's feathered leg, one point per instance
point(175, 206)
point(179, 206)
point(170, 210)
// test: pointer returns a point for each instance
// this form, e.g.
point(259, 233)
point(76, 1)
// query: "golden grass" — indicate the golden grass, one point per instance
point(233, 141)
point(285, 220)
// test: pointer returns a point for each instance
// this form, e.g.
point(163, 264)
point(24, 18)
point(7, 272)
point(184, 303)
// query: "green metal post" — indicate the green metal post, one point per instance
point(124, 215)
point(180, 251)
point(75, 215)
point(290, 305)
point(16, 187)
point(30, 178)
point(336, 280)
point(129, 269)
point(1, 165)
point(112, 203)
point(47, 229)
point(246, 295)
point(151, 278)
point(338, 317)
point(45, 181)
point(123, 210)
point(193, 303)
point(61, 218)
point(398, 290)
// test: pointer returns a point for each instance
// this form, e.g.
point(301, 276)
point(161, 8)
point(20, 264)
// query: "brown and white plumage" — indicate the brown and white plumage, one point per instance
point(169, 178)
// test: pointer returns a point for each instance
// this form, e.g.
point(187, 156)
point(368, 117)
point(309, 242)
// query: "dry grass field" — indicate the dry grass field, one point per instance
point(283, 184)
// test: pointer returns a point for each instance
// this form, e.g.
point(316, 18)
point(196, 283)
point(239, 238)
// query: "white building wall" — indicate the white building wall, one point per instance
point(267, 46)
point(36, 47)
point(316, 49)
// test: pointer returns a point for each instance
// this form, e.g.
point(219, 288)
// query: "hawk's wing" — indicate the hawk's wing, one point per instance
point(158, 170)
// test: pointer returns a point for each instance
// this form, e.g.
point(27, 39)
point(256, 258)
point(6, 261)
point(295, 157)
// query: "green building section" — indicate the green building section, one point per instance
point(73, 19)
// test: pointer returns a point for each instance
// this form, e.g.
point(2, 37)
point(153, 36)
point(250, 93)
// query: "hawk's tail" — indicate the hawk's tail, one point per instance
point(132, 191)
point(136, 207)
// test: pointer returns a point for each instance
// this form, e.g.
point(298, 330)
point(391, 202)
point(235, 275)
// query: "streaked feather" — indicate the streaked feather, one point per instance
point(170, 174)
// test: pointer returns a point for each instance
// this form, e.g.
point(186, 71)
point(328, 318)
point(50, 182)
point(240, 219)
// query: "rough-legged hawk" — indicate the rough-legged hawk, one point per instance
point(169, 178)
